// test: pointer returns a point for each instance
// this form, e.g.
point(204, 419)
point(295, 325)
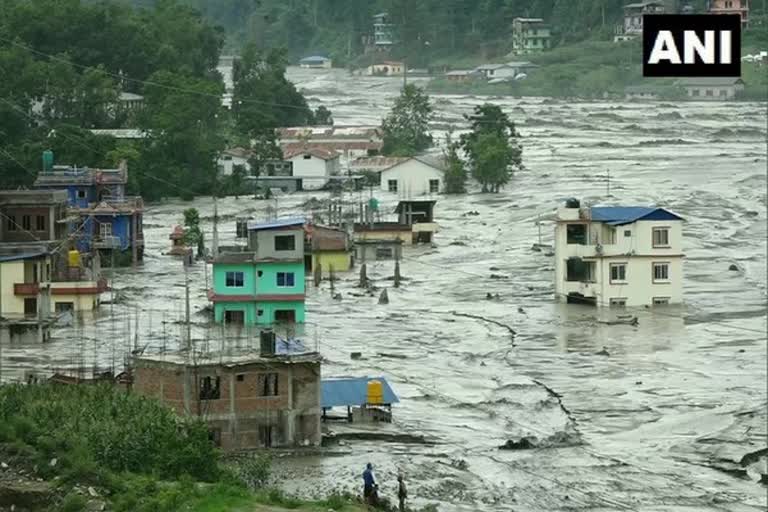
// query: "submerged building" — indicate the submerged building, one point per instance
point(108, 221)
point(258, 399)
point(618, 255)
point(265, 284)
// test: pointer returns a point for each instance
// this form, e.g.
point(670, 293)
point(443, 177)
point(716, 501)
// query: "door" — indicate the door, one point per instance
point(234, 317)
point(30, 306)
point(285, 316)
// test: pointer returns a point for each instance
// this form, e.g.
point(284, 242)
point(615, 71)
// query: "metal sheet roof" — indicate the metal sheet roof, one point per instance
point(350, 391)
point(274, 224)
point(618, 215)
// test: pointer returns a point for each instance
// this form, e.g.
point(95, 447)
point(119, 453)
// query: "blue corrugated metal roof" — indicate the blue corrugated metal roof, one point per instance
point(279, 223)
point(23, 256)
point(617, 215)
point(352, 391)
point(313, 58)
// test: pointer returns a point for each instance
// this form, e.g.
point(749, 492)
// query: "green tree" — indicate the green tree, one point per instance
point(193, 235)
point(322, 116)
point(406, 128)
point(455, 173)
point(492, 147)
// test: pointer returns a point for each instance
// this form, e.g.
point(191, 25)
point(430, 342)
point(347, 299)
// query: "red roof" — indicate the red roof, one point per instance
point(214, 297)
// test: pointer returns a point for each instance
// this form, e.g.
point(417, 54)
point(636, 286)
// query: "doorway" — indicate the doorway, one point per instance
point(234, 317)
point(285, 316)
point(30, 306)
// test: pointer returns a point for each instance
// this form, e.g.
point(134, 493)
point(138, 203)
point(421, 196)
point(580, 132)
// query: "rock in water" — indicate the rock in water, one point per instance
point(384, 298)
point(733, 268)
point(525, 443)
point(603, 352)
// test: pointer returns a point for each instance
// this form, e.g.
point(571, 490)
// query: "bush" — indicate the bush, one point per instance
point(73, 503)
point(253, 472)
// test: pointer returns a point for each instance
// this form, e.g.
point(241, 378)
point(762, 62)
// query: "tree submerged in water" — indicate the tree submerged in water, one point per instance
point(406, 128)
point(492, 147)
point(193, 235)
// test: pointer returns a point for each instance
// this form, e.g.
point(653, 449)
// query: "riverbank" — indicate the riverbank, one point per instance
point(590, 70)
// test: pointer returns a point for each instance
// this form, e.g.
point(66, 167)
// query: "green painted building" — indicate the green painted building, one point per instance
point(264, 285)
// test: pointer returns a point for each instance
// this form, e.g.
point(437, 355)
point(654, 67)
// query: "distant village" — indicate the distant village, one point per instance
point(531, 36)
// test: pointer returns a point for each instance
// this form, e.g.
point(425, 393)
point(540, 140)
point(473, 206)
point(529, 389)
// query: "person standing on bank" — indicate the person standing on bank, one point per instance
point(402, 492)
point(369, 485)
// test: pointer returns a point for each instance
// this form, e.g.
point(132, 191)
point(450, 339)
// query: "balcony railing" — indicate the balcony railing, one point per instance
point(26, 288)
point(107, 242)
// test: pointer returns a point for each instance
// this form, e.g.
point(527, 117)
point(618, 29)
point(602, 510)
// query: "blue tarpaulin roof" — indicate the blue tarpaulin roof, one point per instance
point(289, 346)
point(273, 224)
point(313, 58)
point(352, 391)
point(618, 215)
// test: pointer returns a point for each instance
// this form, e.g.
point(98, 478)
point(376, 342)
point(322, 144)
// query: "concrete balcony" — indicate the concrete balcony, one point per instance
point(424, 227)
point(586, 288)
point(26, 288)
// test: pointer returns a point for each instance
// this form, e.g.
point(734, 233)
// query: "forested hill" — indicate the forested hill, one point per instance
point(427, 28)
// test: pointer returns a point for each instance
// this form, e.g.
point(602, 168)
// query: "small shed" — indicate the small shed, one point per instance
point(354, 393)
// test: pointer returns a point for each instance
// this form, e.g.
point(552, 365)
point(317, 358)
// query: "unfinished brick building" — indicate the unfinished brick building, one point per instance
point(249, 400)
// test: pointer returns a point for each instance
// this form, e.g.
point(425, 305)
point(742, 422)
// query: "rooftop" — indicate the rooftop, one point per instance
point(34, 197)
point(237, 152)
point(335, 132)
point(287, 351)
point(352, 391)
point(377, 162)
point(618, 215)
point(276, 224)
point(122, 133)
point(129, 96)
point(10, 256)
point(317, 152)
point(314, 58)
point(710, 80)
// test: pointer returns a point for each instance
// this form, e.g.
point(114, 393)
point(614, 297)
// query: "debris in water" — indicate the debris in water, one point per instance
point(733, 267)
point(621, 321)
point(603, 352)
point(525, 443)
point(384, 298)
point(356, 355)
point(499, 276)
point(512, 332)
point(460, 464)
point(520, 310)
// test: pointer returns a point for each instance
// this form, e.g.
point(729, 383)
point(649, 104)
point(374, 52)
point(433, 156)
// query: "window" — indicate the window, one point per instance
point(268, 384)
point(26, 222)
point(40, 223)
point(307, 157)
point(63, 307)
point(210, 388)
point(723, 92)
point(695, 92)
point(660, 301)
point(384, 253)
point(708, 92)
point(259, 273)
point(618, 272)
point(265, 435)
point(30, 307)
point(627, 232)
point(81, 194)
point(240, 377)
point(214, 436)
point(285, 279)
point(12, 226)
point(660, 272)
point(234, 279)
point(105, 230)
point(576, 234)
point(618, 302)
point(434, 186)
point(287, 316)
point(392, 185)
point(260, 312)
point(661, 237)
point(577, 269)
point(285, 243)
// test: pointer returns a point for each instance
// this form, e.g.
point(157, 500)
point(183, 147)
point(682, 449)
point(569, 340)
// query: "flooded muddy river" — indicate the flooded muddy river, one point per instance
point(660, 423)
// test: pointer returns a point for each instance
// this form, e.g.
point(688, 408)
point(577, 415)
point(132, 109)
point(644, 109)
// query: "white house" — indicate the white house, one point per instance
point(618, 255)
point(312, 165)
point(407, 177)
point(492, 71)
point(350, 141)
point(715, 88)
point(229, 158)
point(386, 68)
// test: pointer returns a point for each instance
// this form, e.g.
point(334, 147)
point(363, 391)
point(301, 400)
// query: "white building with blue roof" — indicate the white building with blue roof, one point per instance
point(618, 256)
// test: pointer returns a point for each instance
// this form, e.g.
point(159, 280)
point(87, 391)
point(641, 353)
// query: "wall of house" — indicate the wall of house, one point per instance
point(248, 309)
point(639, 289)
point(340, 261)
point(11, 272)
point(220, 279)
point(16, 232)
point(412, 178)
point(227, 164)
point(266, 283)
point(313, 166)
point(263, 243)
point(294, 413)
point(265, 311)
point(405, 235)
point(121, 228)
point(79, 301)
point(718, 93)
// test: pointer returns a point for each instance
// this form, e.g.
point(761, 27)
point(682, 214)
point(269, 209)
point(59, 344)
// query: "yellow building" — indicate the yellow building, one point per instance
point(22, 278)
point(330, 249)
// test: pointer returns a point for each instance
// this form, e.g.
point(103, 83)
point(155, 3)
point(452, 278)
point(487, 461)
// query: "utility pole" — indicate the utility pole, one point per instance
point(215, 243)
point(405, 73)
point(187, 314)
point(538, 224)
point(608, 182)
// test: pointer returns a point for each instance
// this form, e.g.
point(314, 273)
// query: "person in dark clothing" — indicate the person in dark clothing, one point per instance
point(402, 492)
point(369, 485)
